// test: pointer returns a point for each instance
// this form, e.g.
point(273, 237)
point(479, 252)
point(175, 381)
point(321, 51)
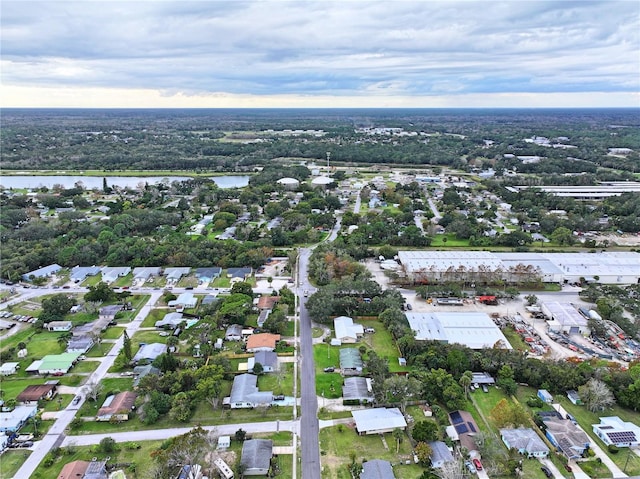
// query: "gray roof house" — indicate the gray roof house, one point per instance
point(43, 272)
point(245, 393)
point(233, 333)
point(206, 275)
point(357, 389)
point(350, 362)
point(174, 274)
point(96, 470)
point(141, 371)
point(149, 352)
point(377, 469)
point(256, 456)
point(110, 273)
point(268, 359)
point(80, 344)
point(378, 420)
point(242, 273)
point(563, 434)
point(79, 273)
point(144, 273)
point(440, 454)
point(109, 312)
point(525, 441)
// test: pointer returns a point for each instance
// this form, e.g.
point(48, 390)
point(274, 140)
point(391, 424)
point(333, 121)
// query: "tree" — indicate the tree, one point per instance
point(126, 346)
point(56, 307)
point(258, 369)
point(506, 413)
point(531, 299)
point(596, 395)
point(506, 381)
point(101, 292)
point(240, 435)
point(401, 389)
point(423, 453)
point(180, 407)
point(465, 381)
point(92, 390)
point(398, 434)
point(425, 431)
point(242, 287)
point(562, 236)
point(107, 445)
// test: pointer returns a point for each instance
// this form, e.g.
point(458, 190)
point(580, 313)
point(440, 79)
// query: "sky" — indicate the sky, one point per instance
point(324, 54)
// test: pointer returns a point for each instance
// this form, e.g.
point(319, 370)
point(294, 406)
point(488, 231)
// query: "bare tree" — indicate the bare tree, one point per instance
point(452, 470)
point(596, 395)
point(92, 390)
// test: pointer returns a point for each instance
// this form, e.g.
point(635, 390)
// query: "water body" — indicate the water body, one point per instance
point(95, 182)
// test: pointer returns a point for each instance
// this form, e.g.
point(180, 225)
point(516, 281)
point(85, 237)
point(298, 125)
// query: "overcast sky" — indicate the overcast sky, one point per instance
point(320, 53)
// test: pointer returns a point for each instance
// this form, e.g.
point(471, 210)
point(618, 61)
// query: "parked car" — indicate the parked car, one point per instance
point(409, 307)
point(568, 468)
point(477, 464)
point(547, 471)
point(279, 397)
point(76, 400)
point(330, 369)
point(469, 466)
point(485, 388)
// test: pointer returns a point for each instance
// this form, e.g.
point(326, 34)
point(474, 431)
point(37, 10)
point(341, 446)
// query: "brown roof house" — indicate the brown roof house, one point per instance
point(118, 407)
point(262, 342)
point(74, 470)
point(34, 393)
point(268, 302)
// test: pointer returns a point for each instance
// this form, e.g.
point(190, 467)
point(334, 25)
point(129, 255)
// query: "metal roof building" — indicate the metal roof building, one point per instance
point(245, 393)
point(357, 389)
point(149, 352)
point(378, 420)
point(79, 273)
point(472, 329)
point(256, 456)
point(565, 318)
point(42, 272)
point(525, 441)
point(377, 469)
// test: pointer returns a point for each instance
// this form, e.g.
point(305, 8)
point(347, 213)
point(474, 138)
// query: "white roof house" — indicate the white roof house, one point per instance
point(174, 274)
point(43, 272)
point(186, 300)
point(378, 420)
point(149, 352)
point(613, 430)
point(8, 369)
point(13, 420)
point(245, 393)
point(472, 329)
point(110, 274)
point(144, 273)
point(170, 320)
point(346, 330)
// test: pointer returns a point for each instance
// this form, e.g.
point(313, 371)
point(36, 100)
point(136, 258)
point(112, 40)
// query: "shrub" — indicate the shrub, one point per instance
point(613, 449)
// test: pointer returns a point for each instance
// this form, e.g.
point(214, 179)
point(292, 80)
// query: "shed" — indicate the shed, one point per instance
point(224, 442)
point(574, 397)
point(545, 396)
point(256, 456)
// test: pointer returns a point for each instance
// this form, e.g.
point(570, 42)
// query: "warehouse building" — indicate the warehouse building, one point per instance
point(565, 318)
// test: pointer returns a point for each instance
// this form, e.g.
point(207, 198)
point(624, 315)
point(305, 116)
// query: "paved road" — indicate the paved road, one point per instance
point(308, 400)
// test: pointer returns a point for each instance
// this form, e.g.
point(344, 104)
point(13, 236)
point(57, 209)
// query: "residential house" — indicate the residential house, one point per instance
point(36, 392)
point(262, 317)
point(357, 389)
point(58, 326)
point(170, 321)
point(346, 330)
point(80, 273)
point(574, 397)
point(614, 431)
point(378, 420)
point(545, 396)
point(80, 344)
point(12, 421)
point(56, 364)
point(140, 372)
point(239, 273)
point(143, 274)
point(184, 300)
point(377, 469)
point(173, 275)
point(44, 272)
point(7, 369)
point(110, 274)
point(117, 407)
point(463, 428)
point(351, 363)
point(525, 441)
point(268, 360)
point(96, 470)
point(267, 302)
point(566, 436)
point(262, 342)
point(108, 313)
point(74, 470)
point(440, 454)
point(256, 456)
point(245, 393)
point(206, 275)
point(149, 352)
point(233, 333)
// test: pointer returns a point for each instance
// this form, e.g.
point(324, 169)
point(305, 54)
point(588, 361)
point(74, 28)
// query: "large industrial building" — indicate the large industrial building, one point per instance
point(565, 318)
point(472, 329)
point(486, 267)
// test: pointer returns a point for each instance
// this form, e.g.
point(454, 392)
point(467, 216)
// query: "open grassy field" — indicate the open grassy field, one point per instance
point(113, 333)
point(11, 461)
point(153, 316)
point(280, 383)
point(383, 344)
point(336, 443)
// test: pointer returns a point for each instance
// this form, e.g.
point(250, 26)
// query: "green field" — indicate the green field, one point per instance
point(11, 461)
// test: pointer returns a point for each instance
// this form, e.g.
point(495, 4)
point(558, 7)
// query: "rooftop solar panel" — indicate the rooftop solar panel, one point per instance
point(461, 428)
point(471, 427)
point(455, 417)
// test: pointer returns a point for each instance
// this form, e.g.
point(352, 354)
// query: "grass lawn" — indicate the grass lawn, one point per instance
point(281, 383)
point(317, 332)
point(448, 240)
point(336, 446)
point(289, 329)
point(113, 333)
point(146, 337)
point(12, 460)
point(141, 457)
point(85, 366)
point(12, 386)
point(123, 281)
point(595, 469)
point(109, 386)
point(20, 336)
point(58, 403)
point(99, 350)
point(383, 344)
point(137, 302)
point(586, 418)
point(92, 280)
point(153, 316)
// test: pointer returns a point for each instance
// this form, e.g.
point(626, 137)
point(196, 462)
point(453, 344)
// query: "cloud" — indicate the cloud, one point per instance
point(275, 49)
